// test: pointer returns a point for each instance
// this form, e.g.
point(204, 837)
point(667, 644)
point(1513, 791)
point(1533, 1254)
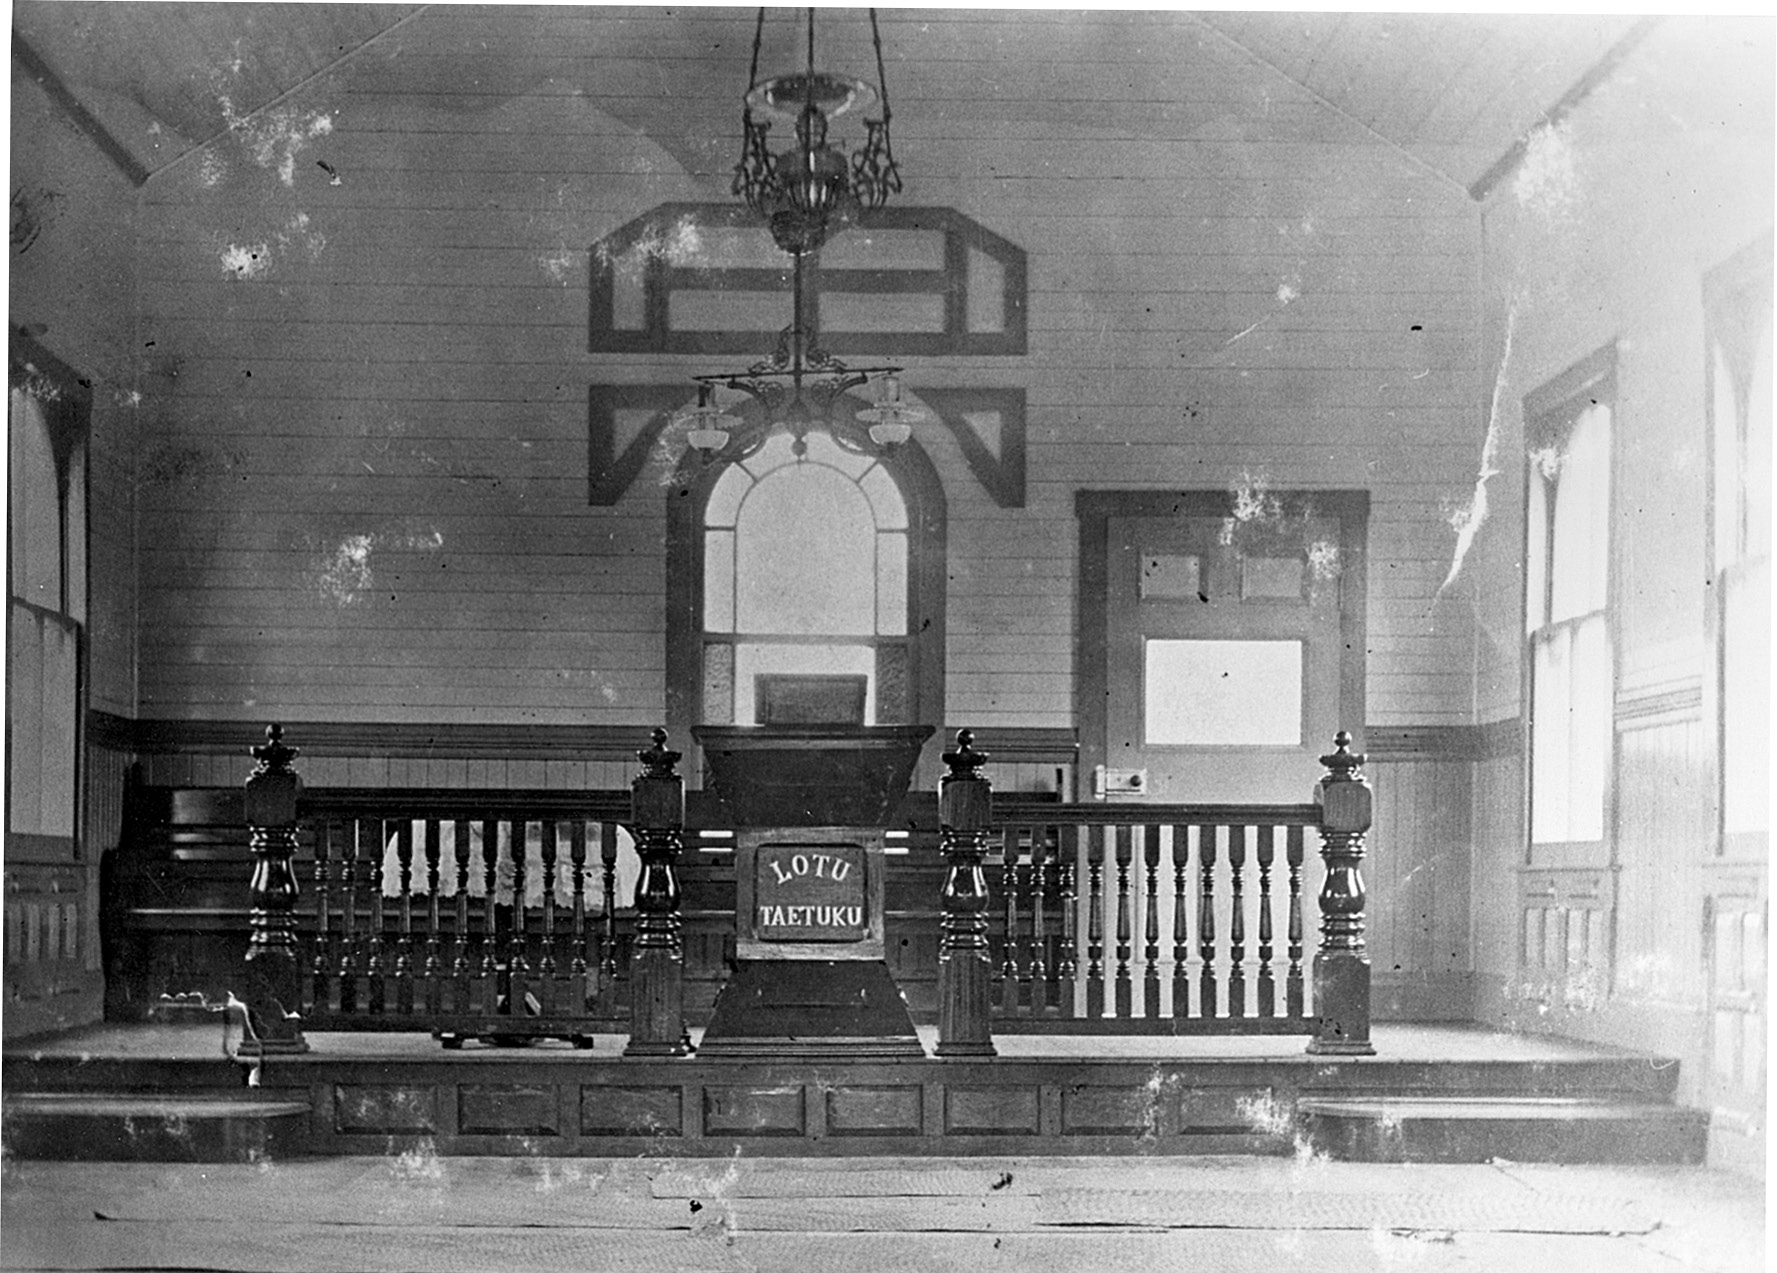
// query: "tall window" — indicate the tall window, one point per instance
point(46, 614)
point(1567, 568)
point(805, 586)
point(1738, 300)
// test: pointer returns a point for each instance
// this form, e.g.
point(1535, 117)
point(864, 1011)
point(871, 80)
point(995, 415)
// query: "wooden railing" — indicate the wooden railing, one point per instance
point(1150, 917)
point(465, 913)
point(497, 915)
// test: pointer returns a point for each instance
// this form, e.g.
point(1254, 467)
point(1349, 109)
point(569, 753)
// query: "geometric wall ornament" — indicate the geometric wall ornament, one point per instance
point(626, 426)
point(706, 278)
point(989, 427)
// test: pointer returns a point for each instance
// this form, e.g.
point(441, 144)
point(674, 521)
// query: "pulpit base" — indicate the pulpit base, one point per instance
point(811, 1009)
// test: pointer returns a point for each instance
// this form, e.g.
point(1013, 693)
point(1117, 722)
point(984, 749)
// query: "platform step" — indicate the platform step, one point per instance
point(112, 1127)
point(1521, 1129)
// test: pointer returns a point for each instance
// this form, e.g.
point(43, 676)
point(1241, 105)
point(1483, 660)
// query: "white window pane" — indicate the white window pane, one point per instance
point(725, 497)
point(59, 690)
point(891, 585)
point(1172, 577)
point(1590, 741)
point(751, 658)
point(37, 515)
point(805, 555)
point(76, 563)
point(1725, 441)
point(1746, 701)
point(1223, 693)
point(1582, 518)
point(1550, 732)
point(822, 449)
point(1536, 551)
point(1758, 469)
point(718, 581)
point(885, 499)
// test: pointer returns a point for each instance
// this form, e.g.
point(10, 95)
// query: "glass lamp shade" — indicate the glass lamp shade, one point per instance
point(890, 432)
point(707, 440)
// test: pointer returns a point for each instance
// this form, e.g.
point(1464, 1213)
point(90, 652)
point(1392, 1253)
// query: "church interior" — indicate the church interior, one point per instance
point(578, 580)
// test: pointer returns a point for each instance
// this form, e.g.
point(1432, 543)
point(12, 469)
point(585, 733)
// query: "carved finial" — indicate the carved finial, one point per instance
point(965, 760)
point(657, 761)
point(272, 755)
point(1342, 763)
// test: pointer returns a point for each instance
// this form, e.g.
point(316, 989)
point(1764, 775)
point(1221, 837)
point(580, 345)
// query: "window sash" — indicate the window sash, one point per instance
point(1571, 726)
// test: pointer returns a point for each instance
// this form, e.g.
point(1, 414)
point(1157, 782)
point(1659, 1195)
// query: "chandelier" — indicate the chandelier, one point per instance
point(812, 189)
point(805, 195)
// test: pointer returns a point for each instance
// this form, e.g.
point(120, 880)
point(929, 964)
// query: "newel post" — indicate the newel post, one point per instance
point(273, 978)
point(1341, 967)
point(965, 969)
point(657, 968)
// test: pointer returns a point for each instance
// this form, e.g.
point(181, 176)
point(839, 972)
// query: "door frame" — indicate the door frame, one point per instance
point(1094, 511)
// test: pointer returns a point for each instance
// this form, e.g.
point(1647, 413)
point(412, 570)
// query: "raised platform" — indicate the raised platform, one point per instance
point(391, 1093)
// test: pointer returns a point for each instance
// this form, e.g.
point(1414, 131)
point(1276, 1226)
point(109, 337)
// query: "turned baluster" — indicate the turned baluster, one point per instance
point(546, 964)
point(608, 887)
point(490, 917)
point(518, 966)
point(317, 993)
point(1151, 948)
point(376, 983)
point(1037, 966)
point(1069, 966)
point(1236, 923)
point(1125, 987)
point(1181, 937)
point(348, 918)
point(272, 980)
point(579, 992)
point(1341, 967)
point(404, 944)
point(657, 966)
point(1292, 982)
point(459, 965)
point(1009, 950)
point(965, 970)
point(431, 972)
point(1095, 924)
point(1267, 983)
point(1207, 995)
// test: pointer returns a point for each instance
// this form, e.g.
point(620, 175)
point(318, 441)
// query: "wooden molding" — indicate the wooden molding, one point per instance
point(1024, 745)
point(1002, 475)
point(645, 250)
point(376, 738)
point(1661, 703)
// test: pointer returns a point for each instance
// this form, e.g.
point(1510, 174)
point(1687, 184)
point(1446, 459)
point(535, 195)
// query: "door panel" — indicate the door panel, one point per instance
point(1224, 653)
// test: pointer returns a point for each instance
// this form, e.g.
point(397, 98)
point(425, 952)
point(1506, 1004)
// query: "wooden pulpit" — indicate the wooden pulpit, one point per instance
point(809, 805)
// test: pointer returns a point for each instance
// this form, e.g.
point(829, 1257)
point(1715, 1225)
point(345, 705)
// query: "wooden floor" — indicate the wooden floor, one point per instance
point(418, 1212)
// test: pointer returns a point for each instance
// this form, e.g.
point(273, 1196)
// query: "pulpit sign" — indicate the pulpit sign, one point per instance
point(809, 893)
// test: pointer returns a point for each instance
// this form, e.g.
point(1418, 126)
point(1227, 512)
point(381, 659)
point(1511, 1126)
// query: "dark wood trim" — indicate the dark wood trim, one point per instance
point(110, 731)
point(1094, 509)
point(25, 849)
point(608, 474)
point(1549, 409)
point(375, 738)
point(961, 235)
point(1002, 476)
point(1497, 739)
point(1665, 703)
point(1013, 745)
point(83, 119)
point(1600, 71)
point(927, 583)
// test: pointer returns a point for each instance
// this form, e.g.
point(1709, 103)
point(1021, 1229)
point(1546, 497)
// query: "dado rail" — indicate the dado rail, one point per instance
point(511, 915)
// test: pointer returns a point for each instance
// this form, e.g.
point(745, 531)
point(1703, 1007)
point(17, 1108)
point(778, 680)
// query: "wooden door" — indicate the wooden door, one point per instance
point(1227, 667)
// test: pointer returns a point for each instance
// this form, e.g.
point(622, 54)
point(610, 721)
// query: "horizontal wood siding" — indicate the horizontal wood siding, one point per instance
point(363, 472)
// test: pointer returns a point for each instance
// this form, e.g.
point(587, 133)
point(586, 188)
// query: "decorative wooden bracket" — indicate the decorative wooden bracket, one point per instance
point(988, 425)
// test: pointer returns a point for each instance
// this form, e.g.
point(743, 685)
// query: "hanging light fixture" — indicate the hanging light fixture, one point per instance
point(797, 387)
point(806, 194)
point(812, 189)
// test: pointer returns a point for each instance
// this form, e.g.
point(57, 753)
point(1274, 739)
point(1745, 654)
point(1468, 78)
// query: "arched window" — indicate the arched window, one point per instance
point(808, 588)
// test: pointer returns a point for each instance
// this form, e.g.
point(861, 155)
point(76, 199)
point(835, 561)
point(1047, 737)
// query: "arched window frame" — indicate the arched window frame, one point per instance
point(687, 499)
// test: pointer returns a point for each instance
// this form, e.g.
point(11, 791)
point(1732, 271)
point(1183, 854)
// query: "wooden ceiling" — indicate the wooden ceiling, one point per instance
point(1453, 92)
